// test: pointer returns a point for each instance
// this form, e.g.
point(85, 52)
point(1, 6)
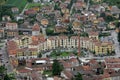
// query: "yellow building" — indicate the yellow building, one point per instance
point(27, 53)
point(23, 41)
point(103, 48)
point(63, 41)
point(52, 42)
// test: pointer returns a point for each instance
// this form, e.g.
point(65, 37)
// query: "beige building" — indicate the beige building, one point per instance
point(53, 42)
point(103, 48)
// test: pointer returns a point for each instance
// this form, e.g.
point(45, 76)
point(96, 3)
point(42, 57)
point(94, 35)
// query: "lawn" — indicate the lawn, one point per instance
point(18, 3)
point(61, 54)
point(47, 72)
point(30, 5)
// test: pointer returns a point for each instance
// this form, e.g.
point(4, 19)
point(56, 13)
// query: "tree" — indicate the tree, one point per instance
point(4, 75)
point(39, 55)
point(30, 1)
point(119, 36)
point(78, 77)
point(49, 31)
point(56, 68)
point(2, 2)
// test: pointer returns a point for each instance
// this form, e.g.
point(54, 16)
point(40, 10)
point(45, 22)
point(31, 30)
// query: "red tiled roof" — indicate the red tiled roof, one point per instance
point(11, 24)
point(36, 27)
point(24, 71)
point(12, 47)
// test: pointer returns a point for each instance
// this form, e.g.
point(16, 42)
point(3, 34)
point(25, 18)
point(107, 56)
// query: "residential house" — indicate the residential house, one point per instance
point(113, 63)
point(44, 22)
point(12, 48)
point(27, 53)
point(63, 41)
point(15, 10)
point(60, 29)
point(39, 64)
point(53, 42)
point(67, 75)
point(74, 41)
point(1, 33)
point(76, 26)
point(23, 41)
point(30, 12)
point(103, 48)
point(111, 25)
point(6, 18)
point(93, 35)
point(11, 30)
point(35, 30)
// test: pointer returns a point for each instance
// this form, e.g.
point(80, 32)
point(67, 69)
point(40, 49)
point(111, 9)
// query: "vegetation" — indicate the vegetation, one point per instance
point(113, 2)
point(47, 72)
point(56, 68)
point(60, 54)
point(2, 2)
point(30, 1)
point(78, 77)
point(117, 24)
point(104, 34)
point(39, 55)
point(56, 7)
point(4, 75)
point(49, 31)
point(84, 34)
point(18, 3)
point(71, 3)
point(30, 5)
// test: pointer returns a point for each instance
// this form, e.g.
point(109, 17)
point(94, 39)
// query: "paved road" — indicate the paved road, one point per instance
point(5, 59)
point(116, 43)
point(24, 9)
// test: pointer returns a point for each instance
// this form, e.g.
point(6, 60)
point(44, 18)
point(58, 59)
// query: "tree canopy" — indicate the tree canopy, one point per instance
point(30, 1)
point(78, 77)
point(2, 2)
point(56, 68)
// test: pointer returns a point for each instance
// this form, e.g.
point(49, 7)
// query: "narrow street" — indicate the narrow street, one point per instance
point(116, 44)
point(6, 60)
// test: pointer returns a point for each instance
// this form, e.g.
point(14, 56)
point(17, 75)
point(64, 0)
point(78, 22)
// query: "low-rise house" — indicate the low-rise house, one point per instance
point(11, 30)
point(35, 30)
point(76, 26)
point(1, 33)
point(44, 22)
point(113, 63)
point(15, 10)
point(39, 64)
point(67, 75)
point(30, 12)
point(12, 48)
point(60, 29)
point(111, 25)
point(6, 18)
point(79, 5)
point(93, 35)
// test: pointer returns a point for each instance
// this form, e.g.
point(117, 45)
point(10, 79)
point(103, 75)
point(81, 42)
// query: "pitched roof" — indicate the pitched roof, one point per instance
point(36, 27)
